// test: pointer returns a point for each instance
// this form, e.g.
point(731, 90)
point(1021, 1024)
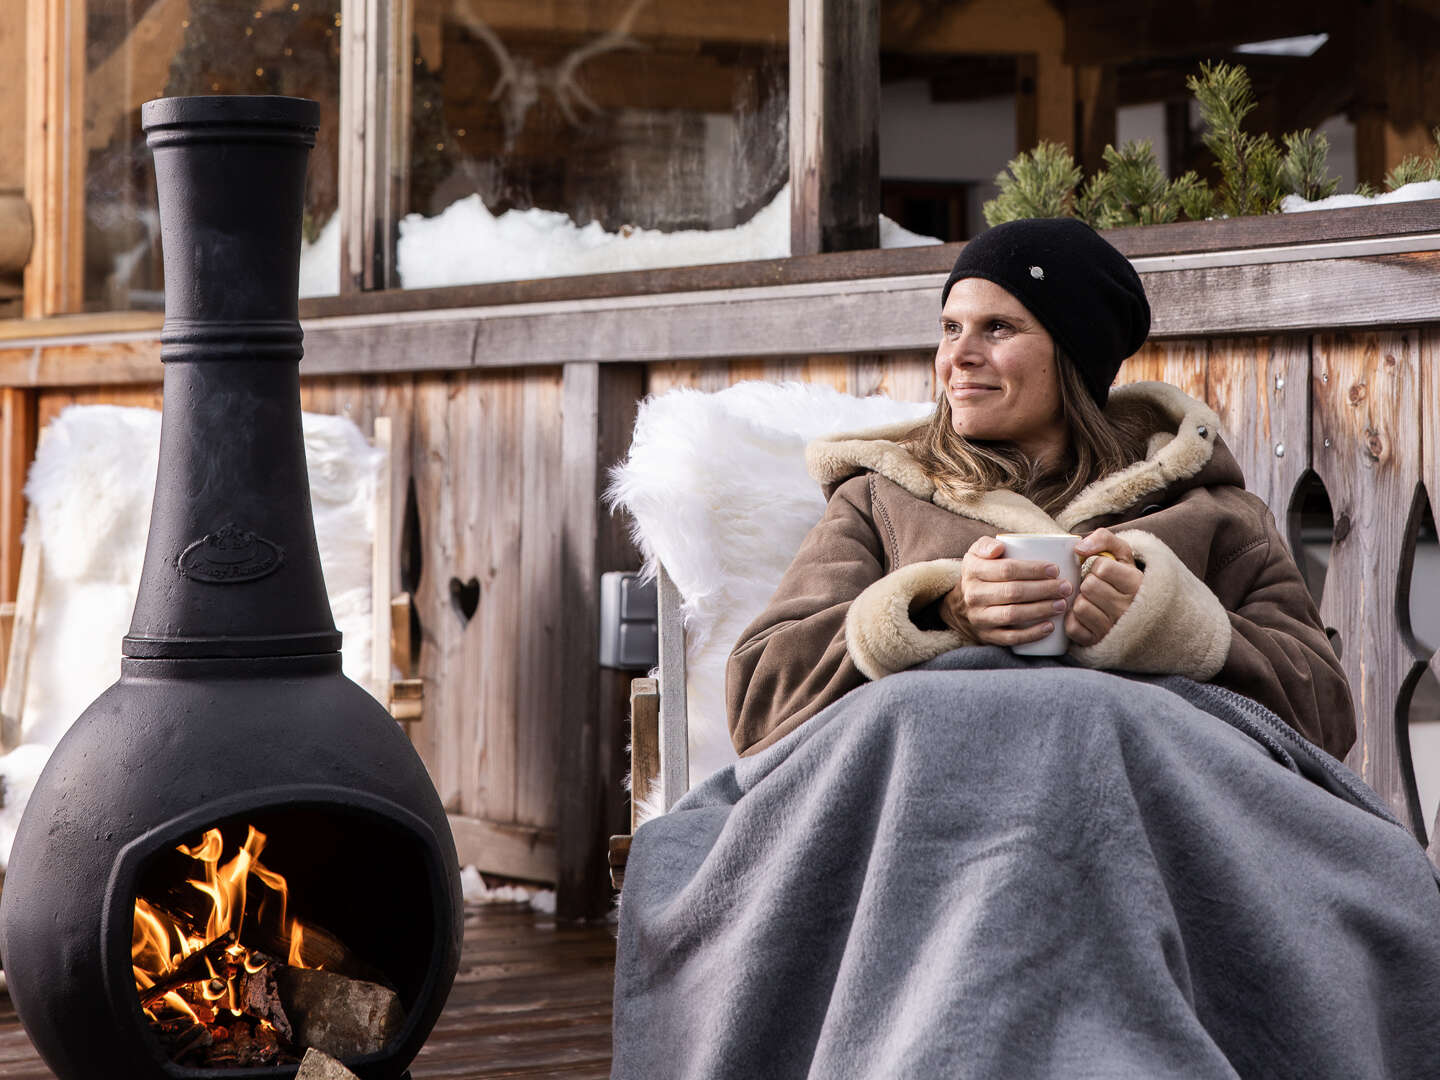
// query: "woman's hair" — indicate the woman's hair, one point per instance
point(1100, 443)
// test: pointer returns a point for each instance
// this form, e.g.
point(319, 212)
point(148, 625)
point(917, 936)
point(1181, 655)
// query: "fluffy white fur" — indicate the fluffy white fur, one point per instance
point(717, 489)
point(90, 490)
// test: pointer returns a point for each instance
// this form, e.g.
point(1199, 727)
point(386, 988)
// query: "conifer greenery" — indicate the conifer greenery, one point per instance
point(1132, 189)
point(1416, 168)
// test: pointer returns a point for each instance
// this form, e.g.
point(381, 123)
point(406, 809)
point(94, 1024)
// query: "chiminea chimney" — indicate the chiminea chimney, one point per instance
point(231, 710)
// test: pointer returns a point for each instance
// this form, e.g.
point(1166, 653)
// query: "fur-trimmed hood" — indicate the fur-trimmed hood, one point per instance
point(1186, 455)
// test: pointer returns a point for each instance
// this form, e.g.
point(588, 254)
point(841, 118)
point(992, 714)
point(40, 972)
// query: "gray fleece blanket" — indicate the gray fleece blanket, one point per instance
point(995, 867)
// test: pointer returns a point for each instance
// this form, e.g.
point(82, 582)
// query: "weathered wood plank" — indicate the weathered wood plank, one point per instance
point(1261, 389)
point(1366, 449)
point(486, 427)
point(542, 606)
point(644, 744)
point(440, 644)
point(19, 431)
point(17, 658)
point(598, 415)
point(514, 851)
point(1181, 363)
point(834, 125)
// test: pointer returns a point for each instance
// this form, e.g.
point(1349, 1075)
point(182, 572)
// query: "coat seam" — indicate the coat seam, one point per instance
point(879, 507)
point(1239, 551)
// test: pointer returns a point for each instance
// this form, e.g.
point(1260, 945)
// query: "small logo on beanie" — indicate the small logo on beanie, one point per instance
point(1037, 273)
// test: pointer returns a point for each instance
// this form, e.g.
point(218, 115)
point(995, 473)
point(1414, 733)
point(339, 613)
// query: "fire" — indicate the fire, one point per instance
point(163, 942)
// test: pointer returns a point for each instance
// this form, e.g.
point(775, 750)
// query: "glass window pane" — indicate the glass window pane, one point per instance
point(967, 87)
point(137, 50)
point(579, 138)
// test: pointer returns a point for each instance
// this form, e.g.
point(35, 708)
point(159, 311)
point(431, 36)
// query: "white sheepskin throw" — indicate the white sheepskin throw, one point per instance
point(718, 493)
point(90, 490)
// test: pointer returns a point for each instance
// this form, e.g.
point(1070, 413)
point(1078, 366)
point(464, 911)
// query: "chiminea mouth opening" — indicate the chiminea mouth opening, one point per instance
point(356, 874)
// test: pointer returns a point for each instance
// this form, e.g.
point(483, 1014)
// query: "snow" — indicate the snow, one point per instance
point(320, 262)
point(465, 243)
point(1425, 189)
point(475, 891)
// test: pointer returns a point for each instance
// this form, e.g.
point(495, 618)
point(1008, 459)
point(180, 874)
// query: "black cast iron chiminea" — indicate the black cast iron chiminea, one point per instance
point(231, 710)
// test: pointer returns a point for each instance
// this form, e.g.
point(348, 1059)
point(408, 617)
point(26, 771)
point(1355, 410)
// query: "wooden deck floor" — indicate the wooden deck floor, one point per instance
point(532, 999)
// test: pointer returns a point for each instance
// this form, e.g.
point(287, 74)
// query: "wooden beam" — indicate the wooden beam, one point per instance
point(514, 851)
point(54, 155)
point(1397, 99)
point(598, 412)
point(1113, 31)
point(1227, 292)
point(834, 125)
point(12, 89)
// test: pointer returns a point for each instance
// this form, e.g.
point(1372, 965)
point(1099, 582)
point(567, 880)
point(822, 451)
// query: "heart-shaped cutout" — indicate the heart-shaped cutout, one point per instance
point(465, 595)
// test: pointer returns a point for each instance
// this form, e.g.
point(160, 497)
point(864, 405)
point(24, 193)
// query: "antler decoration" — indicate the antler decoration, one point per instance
point(521, 80)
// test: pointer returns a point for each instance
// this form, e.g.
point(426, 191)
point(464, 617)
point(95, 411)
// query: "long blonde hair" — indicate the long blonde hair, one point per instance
point(1099, 443)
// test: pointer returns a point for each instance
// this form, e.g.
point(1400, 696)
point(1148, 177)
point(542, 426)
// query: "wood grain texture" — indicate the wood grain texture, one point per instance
point(19, 432)
point(17, 658)
point(644, 744)
point(1182, 363)
point(515, 851)
point(1366, 449)
point(1260, 387)
point(542, 606)
point(55, 155)
point(1430, 475)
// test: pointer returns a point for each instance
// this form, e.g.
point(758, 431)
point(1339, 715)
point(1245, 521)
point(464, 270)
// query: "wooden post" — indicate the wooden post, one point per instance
point(834, 125)
point(375, 91)
point(1095, 94)
point(1044, 101)
point(17, 449)
point(598, 413)
point(55, 155)
point(1430, 474)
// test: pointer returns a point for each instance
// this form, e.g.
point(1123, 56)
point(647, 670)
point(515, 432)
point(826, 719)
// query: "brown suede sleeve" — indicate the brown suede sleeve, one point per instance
point(1279, 652)
point(791, 661)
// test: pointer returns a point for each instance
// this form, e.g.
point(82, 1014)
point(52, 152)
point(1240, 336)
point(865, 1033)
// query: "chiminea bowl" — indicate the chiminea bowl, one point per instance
point(231, 709)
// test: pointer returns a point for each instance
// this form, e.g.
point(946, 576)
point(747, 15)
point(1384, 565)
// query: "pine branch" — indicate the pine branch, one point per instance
point(1040, 183)
point(1249, 164)
point(1306, 162)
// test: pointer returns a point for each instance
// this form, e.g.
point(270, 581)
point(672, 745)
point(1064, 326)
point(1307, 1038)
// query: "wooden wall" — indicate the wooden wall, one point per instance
point(490, 456)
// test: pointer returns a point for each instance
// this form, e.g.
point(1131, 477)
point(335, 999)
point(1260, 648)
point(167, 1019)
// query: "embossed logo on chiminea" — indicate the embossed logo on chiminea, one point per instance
point(230, 555)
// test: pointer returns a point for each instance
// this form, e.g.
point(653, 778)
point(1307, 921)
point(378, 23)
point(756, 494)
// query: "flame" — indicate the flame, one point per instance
point(160, 942)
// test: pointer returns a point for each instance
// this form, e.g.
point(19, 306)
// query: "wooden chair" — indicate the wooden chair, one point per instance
point(1378, 650)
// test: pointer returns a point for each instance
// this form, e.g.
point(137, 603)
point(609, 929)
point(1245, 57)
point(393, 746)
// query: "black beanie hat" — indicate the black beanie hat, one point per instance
point(1084, 291)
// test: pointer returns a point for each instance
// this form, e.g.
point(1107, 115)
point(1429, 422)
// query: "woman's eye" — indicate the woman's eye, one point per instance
point(998, 327)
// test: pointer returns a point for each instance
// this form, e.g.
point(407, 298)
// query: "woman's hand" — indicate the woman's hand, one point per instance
point(1106, 591)
point(1002, 601)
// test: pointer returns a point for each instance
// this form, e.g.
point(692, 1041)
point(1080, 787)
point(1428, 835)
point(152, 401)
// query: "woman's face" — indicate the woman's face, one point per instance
point(996, 365)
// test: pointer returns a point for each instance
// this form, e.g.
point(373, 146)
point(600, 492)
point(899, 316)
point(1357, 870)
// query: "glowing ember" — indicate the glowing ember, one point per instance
point(195, 971)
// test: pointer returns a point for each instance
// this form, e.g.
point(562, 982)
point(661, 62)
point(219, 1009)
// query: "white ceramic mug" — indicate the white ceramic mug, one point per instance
point(1057, 548)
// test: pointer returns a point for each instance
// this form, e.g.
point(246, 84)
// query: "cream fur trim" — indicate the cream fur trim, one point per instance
point(879, 633)
point(1174, 626)
point(835, 458)
point(1176, 459)
point(1171, 457)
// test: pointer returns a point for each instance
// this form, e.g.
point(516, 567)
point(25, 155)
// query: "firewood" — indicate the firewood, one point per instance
point(342, 1016)
point(260, 998)
point(318, 1065)
point(194, 968)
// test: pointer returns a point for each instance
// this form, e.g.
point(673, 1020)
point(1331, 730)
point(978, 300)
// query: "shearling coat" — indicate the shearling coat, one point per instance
point(1221, 599)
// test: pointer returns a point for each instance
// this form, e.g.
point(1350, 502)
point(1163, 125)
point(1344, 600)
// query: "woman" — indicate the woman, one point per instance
point(1037, 317)
point(938, 859)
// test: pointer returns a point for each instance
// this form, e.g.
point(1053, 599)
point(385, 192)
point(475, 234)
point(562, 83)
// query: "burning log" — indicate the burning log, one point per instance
point(342, 1016)
point(194, 968)
point(318, 1065)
